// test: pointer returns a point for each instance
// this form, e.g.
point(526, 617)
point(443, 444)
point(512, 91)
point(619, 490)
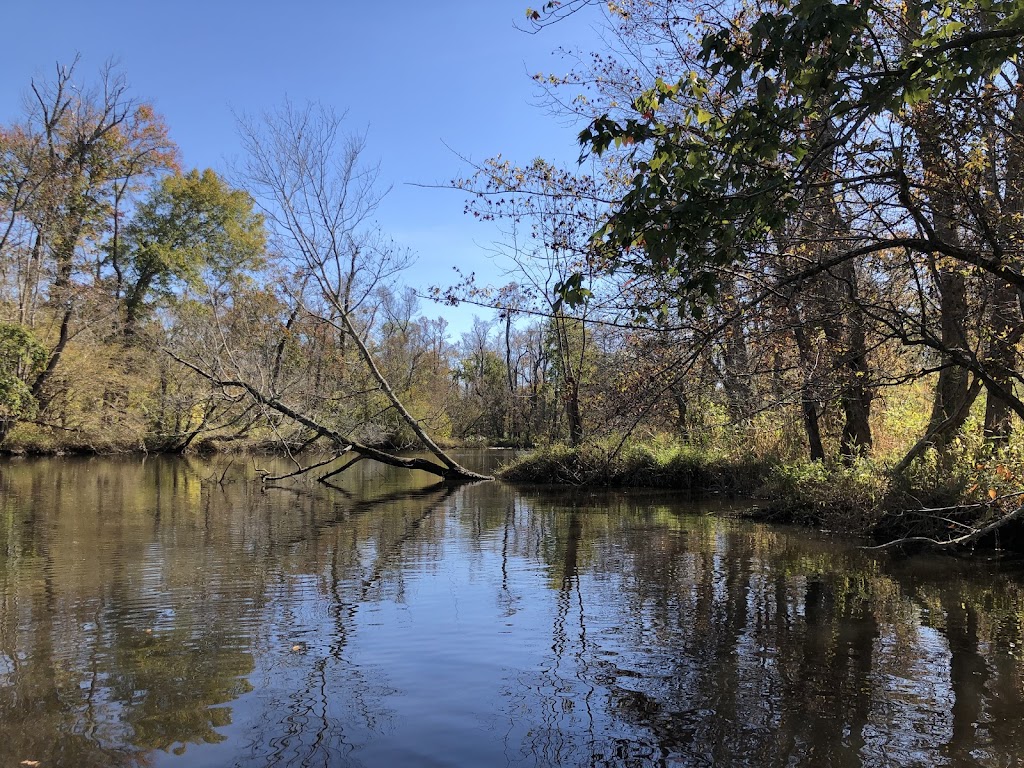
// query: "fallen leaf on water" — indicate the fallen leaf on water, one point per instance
point(30, 763)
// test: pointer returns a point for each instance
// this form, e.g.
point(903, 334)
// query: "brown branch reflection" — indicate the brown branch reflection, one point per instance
point(103, 660)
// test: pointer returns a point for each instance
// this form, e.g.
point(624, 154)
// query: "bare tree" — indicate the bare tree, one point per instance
point(319, 196)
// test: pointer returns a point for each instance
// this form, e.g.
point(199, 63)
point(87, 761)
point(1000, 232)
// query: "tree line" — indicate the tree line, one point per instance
point(146, 306)
point(795, 228)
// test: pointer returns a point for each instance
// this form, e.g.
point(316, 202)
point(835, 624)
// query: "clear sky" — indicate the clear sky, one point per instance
point(417, 75)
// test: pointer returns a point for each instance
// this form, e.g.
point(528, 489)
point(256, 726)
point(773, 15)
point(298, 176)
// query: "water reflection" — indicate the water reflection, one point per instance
point(169, 612)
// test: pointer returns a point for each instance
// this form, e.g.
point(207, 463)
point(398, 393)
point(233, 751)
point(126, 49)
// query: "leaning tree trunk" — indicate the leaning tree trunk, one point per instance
point(450, 471)
point(454, 469)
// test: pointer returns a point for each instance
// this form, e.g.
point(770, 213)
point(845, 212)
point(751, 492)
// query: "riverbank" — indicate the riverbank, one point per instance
point(41, 440)
point(942, 502)
point(951, 504)
point(42, 447)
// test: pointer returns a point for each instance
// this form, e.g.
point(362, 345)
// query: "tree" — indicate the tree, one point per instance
point(547, 215)
point(318, 196)
point(192, 230)
point(414, 354)
point(21, 358)
point(482, 378)
point(66, 172)
point(896, 129)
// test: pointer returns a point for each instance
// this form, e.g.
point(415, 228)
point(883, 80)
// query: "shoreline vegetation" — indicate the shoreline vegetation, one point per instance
point(944, 502)
point(935, 504)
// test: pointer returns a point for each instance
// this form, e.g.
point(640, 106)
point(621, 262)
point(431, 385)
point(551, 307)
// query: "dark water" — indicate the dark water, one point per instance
point(150, 615)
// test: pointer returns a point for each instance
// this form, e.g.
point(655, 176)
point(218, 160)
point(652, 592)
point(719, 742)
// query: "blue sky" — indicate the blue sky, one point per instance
point(418, 76)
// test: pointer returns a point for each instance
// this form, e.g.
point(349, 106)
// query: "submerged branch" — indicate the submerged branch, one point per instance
point(339, 470)
point(268, 478)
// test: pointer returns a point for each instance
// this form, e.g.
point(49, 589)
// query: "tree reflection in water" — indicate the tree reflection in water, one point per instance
point(151, 618)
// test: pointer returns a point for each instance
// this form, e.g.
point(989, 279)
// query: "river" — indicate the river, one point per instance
point(170, 612)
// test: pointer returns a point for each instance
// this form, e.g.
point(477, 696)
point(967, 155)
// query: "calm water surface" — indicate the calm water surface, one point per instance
point(151, 615)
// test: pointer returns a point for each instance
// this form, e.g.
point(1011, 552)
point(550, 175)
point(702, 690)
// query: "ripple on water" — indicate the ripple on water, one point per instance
point(149, 618)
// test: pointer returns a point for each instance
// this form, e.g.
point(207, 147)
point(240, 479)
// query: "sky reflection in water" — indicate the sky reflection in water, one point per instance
point(151, 616)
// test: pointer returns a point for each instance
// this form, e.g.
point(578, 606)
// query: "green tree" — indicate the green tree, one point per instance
point(854, 142)
point(21, 359)
point(68, 170)
point(194, 230)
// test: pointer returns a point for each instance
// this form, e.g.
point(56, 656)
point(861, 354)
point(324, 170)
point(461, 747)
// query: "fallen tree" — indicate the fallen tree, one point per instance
point(317, 197)
point(344, 446)
point(970, 534)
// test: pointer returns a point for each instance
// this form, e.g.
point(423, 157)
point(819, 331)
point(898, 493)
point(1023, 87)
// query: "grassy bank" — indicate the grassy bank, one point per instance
point(639, 467)
point(934, 498)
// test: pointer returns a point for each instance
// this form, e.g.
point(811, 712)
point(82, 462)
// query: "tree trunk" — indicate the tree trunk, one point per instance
point(510, 373)
point(839, 303)
point(455, 471)
point(682, 409)
point(1001, 357)
point(808, 403)
point(1005, 318)
point(572, 412)
point(739, 393)
point(855, 395)
point(951, 388)
point(449, 470)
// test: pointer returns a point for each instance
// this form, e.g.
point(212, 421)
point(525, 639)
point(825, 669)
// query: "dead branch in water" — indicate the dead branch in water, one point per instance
point(974, 533)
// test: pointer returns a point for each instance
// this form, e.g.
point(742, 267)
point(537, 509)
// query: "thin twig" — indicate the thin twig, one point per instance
point(303, 470)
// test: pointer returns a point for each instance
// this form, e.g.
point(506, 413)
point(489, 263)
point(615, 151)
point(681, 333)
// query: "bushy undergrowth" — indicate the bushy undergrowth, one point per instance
point(969, 482)
point(648, 465)
point(850, 498)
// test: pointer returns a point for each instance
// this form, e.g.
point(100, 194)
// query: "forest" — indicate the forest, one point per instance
point(788, 263)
